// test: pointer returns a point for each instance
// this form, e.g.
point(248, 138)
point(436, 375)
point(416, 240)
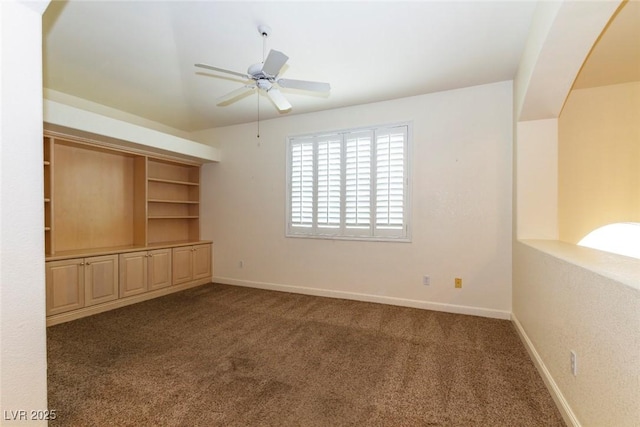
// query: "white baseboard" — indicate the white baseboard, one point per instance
point(403, 302)
point(562, 404)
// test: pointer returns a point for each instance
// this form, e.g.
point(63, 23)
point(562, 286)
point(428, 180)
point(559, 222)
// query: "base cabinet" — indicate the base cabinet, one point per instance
point(100, 279)
point(191, 263)
point(65, 286)
point(144, 271)
point(79, 287)
point(81, 282)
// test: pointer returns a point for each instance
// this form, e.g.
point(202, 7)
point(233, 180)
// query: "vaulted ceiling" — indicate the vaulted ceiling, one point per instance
point(139, 56)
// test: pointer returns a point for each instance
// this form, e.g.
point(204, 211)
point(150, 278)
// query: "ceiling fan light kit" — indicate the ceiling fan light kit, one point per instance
point(264, 76)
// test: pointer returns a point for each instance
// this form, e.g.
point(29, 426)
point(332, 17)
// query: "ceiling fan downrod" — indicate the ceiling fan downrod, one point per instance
point(264, 31)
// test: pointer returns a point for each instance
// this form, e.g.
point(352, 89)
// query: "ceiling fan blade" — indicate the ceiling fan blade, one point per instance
point(231, 96)
point(274, 62)
point(278, 99)
point(305, 85)
point(222, 70)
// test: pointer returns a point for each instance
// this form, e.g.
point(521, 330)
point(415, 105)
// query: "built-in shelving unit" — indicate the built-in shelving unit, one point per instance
point(110, 205)
point(173, 201)
point(106, 197)
point(48, 184)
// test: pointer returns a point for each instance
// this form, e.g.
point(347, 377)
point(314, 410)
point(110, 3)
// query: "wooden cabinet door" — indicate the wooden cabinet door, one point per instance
point(65, 285)
point(201, 261)
point(101, 279)
point(133, 273)
point(182, 265)
point(159, 268)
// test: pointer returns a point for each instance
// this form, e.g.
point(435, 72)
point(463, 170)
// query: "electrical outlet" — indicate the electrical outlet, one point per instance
point(426, 280)
point(458, 282)
point(574, 363)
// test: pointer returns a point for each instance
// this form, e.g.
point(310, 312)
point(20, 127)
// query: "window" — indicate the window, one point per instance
point(349, 184)
point(622, 238)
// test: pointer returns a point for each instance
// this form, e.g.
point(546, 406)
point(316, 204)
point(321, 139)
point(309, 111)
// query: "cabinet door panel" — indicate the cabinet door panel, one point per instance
point(182, 265)
point(133, 273)
point(101, 279)
point(201, 261)
point(65, 285)
point(159, 268)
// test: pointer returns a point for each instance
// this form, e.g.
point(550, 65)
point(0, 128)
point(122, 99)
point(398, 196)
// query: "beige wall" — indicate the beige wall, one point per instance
point(461, 209)
point(537, 178)
point(566, 297)
point(598, 159)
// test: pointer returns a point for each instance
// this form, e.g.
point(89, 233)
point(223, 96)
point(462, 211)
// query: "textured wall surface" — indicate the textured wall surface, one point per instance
point(23, 369)
point(563, 307)
point(461, 206)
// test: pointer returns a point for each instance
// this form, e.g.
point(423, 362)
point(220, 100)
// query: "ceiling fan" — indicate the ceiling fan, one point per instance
point(265, 76)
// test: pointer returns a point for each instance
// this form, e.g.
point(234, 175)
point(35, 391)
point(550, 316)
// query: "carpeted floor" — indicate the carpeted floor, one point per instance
point(221, 355)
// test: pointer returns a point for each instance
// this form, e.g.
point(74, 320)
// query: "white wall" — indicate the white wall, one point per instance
point(461, 210)
point(85, 123)
point(565, 297)
point(23, 376)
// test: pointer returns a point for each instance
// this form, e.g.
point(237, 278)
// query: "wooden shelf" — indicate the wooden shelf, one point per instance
point(172, 181)
point(172, 201)
point(174, 217)
point(48, 170)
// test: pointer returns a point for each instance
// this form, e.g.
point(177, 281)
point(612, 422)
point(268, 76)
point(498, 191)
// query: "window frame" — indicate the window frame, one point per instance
point(373, 232)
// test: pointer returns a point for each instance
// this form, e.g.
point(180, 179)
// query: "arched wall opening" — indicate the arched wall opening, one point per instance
point(599, 134)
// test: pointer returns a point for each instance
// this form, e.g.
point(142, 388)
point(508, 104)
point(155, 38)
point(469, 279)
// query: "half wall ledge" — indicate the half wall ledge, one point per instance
point(620, 268)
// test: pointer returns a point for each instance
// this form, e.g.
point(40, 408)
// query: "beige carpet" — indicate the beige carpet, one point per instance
point(220, 355)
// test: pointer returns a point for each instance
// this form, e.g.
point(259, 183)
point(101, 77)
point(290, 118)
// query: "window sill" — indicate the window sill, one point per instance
point(349, 238)
point(620, 268)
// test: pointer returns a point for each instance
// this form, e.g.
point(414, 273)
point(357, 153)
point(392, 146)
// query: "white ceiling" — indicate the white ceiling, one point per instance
point(138, 56)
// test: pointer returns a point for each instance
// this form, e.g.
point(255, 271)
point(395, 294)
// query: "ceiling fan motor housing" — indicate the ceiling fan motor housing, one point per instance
point(255, 71)
point(264, 84)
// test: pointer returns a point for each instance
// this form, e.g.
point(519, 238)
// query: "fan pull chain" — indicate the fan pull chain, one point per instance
point(264, 50)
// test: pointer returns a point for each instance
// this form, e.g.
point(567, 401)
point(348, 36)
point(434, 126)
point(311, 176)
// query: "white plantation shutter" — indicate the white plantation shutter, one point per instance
point(358, 152)
point(390, 178)
point(302, 184)
point(349, 184)
point(329, 182)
